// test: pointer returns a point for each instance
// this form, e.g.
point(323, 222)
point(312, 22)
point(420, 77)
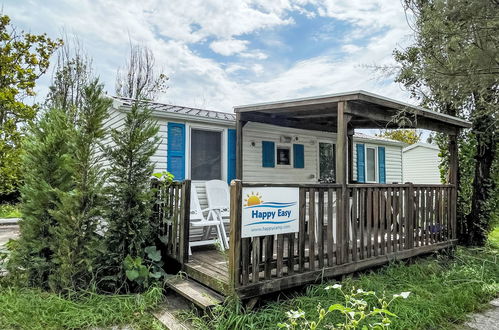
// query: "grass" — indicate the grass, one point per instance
point(9, 211)
point(443, 291)
point(23, 308)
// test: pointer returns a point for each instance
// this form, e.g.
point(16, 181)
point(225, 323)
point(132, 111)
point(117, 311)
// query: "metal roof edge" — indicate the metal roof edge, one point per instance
point(421, 144)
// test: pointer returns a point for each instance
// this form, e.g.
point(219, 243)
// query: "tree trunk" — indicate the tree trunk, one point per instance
point(479, 219)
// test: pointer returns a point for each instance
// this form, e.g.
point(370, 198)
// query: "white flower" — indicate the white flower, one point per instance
point(334, 286)
point(295, 314)
point(360, 291)
point(404, 295)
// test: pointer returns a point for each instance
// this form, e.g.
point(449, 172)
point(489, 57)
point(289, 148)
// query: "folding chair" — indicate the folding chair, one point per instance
point(197, 219)
point(217, 192)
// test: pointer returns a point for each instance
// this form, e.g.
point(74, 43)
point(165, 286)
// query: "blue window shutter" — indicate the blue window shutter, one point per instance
point(298, 156)
point(176, 150)
point(231, 155)
point(361, 163)
point(268, 154)
point(381, 165)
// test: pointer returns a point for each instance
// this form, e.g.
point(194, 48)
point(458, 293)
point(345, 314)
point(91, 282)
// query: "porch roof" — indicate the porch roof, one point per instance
point(367, 110)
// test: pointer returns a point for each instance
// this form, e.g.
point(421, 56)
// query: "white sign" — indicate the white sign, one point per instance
point(269, 211)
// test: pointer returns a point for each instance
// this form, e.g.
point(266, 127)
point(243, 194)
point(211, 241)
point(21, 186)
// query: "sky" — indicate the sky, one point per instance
point(223, 53)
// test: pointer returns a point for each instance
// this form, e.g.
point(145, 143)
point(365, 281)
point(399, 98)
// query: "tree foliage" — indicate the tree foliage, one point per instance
point(139, 79)
point(129, 192)
point(62, 198)
point(48, 171)
point(72, 75)
point(77, 244)
point(409, 136)
point(453, 67)
point(24, 57)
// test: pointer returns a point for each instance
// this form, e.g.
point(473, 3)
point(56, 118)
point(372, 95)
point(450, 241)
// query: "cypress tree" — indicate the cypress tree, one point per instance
point(48, 165)
point(76, 243)
point(129, 191)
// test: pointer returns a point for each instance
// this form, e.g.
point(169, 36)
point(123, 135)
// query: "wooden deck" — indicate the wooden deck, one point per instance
point(341, 230)
point(210, 266)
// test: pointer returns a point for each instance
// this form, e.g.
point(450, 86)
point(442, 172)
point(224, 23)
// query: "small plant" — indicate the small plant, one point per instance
point(357, 312)
point(143, 271)
point(164, 176)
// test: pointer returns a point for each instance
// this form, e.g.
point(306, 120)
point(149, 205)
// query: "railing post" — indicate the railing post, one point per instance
point(235, 233)
point(185, 214)
point(409, 236)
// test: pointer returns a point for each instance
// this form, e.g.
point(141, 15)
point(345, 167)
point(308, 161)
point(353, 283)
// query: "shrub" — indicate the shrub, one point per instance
point(129, 194)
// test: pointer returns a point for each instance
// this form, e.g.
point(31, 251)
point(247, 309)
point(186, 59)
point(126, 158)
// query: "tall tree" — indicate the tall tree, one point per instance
point(453, 67)
point(129, 193)
point(139, 78)
point(79, 211)
point(24, 57)
point(48, 171)
point(72, 75)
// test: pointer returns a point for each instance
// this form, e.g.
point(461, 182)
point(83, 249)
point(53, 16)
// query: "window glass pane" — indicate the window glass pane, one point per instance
point(327, 162)
point(283, 156)
point(206, 155)
point(371, 164)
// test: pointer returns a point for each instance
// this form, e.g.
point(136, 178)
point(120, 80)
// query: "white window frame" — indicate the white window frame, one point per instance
point(291, 154)
point(376, 178)
point(333, 142)
point(188, 148)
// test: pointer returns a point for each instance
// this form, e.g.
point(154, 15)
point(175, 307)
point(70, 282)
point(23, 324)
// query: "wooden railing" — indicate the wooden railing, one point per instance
point(384, 222)
point(171, 214)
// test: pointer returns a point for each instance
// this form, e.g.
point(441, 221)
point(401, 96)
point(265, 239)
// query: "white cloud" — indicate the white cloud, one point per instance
point(229, 46)
point(171, 28)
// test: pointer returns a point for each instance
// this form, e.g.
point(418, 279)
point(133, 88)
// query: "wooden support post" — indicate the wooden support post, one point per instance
point(342, 178)
point(453, 178)
point(350, 155)
point(239, 146)
point(235, 234)
point(185, 218)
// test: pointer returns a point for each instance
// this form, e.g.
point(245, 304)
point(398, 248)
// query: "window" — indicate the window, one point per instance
point(327, 162)
point(206, 155)
point(283, 155)
point(371, 164)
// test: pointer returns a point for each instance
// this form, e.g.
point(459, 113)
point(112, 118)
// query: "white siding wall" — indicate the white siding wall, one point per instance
point(421, 165)
point(115, 120)
point(159, 157)
point(252, 155)
point(393, 159)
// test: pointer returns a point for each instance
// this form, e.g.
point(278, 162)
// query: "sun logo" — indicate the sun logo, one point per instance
point(253, 199)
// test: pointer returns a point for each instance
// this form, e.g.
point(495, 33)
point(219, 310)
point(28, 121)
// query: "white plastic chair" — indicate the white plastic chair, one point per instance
point(197, 219)
point(217, 192)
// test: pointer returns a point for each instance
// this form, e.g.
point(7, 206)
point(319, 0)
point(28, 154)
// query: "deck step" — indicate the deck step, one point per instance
point(195, 292)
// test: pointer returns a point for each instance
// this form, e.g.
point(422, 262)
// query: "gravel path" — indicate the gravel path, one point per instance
point(487, 320)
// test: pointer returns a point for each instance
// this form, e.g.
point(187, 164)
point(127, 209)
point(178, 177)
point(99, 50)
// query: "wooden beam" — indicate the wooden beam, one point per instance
point(239, 146)
point(384, 118)
point(342, 179)
point(434, 116)
point(235, 234)
point(286, 122)
point(350, 134)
